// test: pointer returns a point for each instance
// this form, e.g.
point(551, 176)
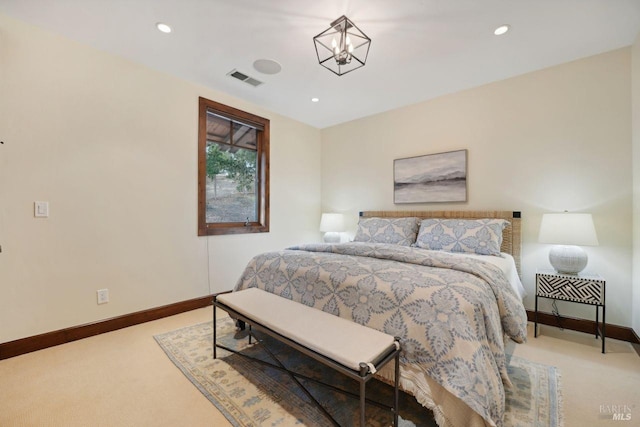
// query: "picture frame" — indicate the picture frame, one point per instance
point(432, 178)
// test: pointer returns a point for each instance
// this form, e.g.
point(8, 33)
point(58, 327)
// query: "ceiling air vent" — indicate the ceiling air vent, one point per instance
point(244, 78)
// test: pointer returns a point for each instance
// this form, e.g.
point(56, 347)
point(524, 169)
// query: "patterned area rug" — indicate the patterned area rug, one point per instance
point(251, 394)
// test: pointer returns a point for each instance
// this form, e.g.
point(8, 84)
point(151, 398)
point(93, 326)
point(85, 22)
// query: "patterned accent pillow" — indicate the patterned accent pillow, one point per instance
point(476, 236)
point(399, 231)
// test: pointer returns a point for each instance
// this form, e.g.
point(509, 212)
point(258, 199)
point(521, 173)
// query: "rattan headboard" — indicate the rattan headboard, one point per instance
point(511, 235)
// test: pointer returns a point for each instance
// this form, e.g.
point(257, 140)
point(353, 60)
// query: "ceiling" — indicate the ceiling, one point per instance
point(420, 49)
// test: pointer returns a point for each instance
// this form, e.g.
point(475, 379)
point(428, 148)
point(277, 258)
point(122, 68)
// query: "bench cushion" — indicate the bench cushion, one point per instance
point(338, 339)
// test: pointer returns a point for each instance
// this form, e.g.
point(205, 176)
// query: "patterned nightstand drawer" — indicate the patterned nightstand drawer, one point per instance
point(587, 290)
point(582, 288)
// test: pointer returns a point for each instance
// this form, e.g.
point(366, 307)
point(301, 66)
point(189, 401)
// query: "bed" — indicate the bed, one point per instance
point(445, 282)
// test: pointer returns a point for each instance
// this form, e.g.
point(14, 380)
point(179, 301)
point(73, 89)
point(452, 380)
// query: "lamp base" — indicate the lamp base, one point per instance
point(568, 259)
point(331, 237)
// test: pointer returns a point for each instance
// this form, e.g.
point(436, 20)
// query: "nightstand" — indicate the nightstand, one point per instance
point(581, 288)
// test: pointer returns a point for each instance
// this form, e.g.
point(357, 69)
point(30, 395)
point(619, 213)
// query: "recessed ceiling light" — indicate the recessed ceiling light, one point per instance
point(267, 66)
point(163, 27)
point(315, 99)
point(501, 30)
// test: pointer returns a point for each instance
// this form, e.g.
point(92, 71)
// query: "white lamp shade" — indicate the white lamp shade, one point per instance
point(332, 222)
point(568, 229)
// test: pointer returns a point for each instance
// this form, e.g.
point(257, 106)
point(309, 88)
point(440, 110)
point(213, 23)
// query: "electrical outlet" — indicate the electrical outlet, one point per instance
point(103, 296)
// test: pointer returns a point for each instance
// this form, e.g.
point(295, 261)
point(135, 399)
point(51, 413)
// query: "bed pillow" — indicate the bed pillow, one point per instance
point(399, 231)
point(476, 236)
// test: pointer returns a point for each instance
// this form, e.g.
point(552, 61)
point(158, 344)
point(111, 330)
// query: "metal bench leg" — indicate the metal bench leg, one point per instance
point(214, 329)
point(363, 386)
point(396, 399)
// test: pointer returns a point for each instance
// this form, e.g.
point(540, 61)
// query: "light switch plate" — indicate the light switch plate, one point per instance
point(41, 209)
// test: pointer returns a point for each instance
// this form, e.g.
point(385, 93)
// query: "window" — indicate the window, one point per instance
point(233, 171)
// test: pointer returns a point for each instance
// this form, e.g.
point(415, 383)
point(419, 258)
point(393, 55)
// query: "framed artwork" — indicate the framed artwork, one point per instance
point(431, 178)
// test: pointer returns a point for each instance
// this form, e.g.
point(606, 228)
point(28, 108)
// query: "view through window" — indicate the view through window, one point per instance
point(233, 169)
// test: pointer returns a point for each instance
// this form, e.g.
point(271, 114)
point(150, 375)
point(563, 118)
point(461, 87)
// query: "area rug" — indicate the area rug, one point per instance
point(251, 394)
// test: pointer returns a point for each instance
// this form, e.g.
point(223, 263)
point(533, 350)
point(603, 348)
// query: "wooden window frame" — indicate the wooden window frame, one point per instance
point(262, 186)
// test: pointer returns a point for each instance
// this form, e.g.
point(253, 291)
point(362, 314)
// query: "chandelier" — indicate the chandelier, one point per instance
point(342, 47)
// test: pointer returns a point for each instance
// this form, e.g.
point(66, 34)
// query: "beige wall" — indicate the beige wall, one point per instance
point(553, 140)
point(112, 146)
point(635, 120)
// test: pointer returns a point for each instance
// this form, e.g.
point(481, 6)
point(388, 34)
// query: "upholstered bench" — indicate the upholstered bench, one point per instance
point(350, 348)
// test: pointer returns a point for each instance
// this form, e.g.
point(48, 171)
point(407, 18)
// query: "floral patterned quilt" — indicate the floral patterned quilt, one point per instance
point(451, 313)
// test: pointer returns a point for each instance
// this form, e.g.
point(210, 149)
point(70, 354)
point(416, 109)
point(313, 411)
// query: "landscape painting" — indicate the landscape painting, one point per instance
point(432, 178)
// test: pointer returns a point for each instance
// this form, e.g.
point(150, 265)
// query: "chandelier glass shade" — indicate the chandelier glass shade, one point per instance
point(342, 47)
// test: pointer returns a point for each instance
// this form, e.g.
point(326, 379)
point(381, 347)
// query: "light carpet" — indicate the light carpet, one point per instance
point(251, 394)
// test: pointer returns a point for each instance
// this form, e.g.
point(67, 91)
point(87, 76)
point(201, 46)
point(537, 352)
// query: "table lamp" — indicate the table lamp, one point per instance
point(568, 231)
point(332, 224)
